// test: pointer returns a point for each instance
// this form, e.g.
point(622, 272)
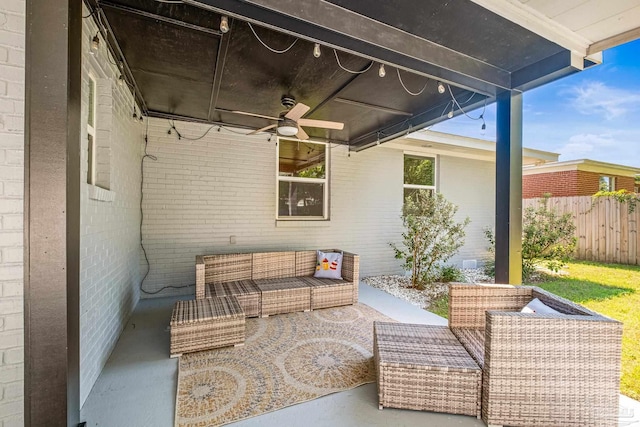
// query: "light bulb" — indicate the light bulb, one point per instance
point(141, 118)
point(316, 50)
point(381, 71)
point(134, 115)
point(484, 126)
point(121, 80)
point(121, 65)
point(450, 114)
point(224, 24)
point(441, 87)
point(95, 44)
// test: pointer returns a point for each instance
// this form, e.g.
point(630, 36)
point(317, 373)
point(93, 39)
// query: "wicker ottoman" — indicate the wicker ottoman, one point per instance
point(206, 323)
point(425, 367)
point(286, 295)
point(245, 291)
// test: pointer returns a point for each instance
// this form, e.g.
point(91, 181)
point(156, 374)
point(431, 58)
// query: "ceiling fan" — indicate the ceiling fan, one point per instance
point(290, 122)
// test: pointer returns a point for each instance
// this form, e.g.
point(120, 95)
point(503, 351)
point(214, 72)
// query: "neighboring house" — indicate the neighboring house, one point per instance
point(577, 178)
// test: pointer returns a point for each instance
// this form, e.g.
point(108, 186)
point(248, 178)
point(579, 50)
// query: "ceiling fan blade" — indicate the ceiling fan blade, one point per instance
point(244, 113)
point(321, 124)
point(262, 129)
point(301, 134)
point(298, 111)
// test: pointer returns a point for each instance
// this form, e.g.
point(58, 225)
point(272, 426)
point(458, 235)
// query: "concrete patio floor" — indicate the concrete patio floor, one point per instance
point(137, 385)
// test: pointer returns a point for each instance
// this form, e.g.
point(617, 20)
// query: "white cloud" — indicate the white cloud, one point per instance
point(585, 144)
point(597, 98)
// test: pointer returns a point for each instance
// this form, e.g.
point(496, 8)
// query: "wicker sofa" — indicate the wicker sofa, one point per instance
point(267, 283)
point(538, 370)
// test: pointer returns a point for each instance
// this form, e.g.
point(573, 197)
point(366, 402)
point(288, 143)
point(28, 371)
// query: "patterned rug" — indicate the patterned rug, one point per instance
point(287, 359)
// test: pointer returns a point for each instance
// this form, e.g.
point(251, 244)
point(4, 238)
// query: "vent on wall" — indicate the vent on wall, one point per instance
point(469, 263)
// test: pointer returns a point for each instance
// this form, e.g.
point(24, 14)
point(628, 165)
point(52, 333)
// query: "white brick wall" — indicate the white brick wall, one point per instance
point(109, 243)
point(199, 193)
point(12, 44)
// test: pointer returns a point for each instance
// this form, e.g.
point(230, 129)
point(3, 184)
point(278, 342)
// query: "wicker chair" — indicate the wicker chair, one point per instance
point(538, 370)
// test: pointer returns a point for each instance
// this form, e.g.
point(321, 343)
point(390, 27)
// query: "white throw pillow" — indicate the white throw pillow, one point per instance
point(537, 306)
point(329, 265)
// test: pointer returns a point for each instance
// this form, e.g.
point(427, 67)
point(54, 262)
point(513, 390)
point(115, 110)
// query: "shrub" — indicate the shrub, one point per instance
point(547, 239)
point(450, 273)
point(431, 235)
point(622, 196)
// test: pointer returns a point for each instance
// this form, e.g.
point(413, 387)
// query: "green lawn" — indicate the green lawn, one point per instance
point(609, 289)
point(612, 290)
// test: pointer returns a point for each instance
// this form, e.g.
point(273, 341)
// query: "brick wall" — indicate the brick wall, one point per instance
point(12, 44)
point(109, 241)
point(568, 183)
point(199, 193)
point(626, 183)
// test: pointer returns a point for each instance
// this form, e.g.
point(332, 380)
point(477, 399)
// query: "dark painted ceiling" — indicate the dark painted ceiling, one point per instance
point(184, 67)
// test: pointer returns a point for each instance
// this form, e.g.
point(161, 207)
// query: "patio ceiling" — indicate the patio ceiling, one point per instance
point(184, 67)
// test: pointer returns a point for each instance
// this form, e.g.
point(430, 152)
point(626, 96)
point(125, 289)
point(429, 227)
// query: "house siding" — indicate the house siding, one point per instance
point(109, 220)
point(470, 184)
point(12, 45)
point(568, 183)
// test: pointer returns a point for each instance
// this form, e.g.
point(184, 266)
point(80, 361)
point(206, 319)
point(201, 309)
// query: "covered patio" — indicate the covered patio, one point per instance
point(138, 383)
point(210, 84)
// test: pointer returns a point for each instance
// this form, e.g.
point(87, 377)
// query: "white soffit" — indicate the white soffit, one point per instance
point(428, 142)
point(586, 27)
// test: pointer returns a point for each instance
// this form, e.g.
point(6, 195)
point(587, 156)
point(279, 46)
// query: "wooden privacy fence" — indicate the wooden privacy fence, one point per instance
point(605, 229)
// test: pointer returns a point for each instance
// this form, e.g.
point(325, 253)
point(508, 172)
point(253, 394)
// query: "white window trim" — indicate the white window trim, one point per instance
point(91, 130)
point(417, 186)
point(325, 181)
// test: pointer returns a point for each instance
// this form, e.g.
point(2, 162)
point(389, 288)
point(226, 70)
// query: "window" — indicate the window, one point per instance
point(91, 133)
point(99, 98)
point(302, 180)
point(419, 174)
point(607, 183)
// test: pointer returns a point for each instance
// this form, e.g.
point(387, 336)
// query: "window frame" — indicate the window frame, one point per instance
point(92, 145)
point(434, 187)
point(324, 181)
point(612, 183)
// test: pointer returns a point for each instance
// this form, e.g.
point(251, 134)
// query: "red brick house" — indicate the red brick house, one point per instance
point(576, 178)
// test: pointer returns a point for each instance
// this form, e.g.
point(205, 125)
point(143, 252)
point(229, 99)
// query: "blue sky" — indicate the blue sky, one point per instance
point(593, 114)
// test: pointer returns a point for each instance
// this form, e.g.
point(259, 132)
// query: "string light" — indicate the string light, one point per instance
point(316, 50)
point(381, 71)
point(95, 44)
point(441, 88)
point(450, 113)
point(224, 24)
point(121, 80)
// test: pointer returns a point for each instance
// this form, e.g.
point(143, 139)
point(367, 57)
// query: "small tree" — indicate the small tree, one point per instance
point(431, 235)
point(547, 239)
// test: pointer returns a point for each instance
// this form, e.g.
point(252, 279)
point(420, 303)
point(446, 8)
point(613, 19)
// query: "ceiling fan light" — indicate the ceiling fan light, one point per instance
point(287, 130)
